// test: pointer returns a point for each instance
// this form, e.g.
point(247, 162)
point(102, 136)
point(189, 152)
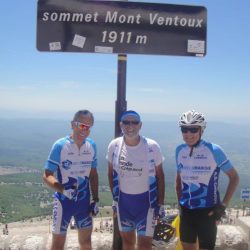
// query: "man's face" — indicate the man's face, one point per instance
point(191, 134)
point(130, 127)
point(81, 127)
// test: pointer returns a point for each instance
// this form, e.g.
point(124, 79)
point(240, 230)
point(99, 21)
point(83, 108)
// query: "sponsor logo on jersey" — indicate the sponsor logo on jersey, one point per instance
point(180, 167)
point(66, 164)
point(86, 152)
point(200, 157)
point(126, 223)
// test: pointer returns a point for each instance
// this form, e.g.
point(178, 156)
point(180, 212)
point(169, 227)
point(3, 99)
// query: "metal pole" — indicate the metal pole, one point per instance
point(120, 107)
point(121, 103)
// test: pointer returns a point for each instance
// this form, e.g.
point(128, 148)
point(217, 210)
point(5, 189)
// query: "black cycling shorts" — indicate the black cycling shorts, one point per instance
point(195, 223)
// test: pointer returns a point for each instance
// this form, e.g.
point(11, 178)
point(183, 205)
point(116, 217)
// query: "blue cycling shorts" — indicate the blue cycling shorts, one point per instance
point(134, 213)
point(64, 210)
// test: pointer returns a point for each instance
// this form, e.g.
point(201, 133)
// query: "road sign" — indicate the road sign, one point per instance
point(245, 194)
point(121, 27)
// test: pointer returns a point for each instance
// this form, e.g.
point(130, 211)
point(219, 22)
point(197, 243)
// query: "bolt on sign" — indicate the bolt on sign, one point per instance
point(121, 27)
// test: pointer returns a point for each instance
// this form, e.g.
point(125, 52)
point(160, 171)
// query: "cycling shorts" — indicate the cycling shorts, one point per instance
point(64, 210)
point(196, 223)
point(134, 213)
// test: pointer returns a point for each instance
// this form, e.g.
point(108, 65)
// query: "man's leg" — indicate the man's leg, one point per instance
point(58, 241)
point(128, 240)
point(189, 246)
point(145, 222)
point(84, 238)
point(207, 231)
point(144, 243)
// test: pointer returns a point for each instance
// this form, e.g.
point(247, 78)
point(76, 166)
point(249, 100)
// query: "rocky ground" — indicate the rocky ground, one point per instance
point(36, 235)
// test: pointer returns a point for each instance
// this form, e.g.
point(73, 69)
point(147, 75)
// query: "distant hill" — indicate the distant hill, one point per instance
point(27, 142)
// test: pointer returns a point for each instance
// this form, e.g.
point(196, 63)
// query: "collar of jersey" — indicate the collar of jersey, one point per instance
point(72, 141)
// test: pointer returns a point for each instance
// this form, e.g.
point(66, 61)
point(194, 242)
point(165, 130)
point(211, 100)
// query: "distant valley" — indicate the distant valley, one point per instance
point(25, 144)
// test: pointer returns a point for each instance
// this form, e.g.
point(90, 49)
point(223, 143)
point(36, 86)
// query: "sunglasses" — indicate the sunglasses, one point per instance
point(125, 122)
point(82, 126)
point(191, 130)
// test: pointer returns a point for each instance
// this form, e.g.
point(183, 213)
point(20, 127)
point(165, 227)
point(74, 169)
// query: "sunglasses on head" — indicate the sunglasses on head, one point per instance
point(125, 122)
point(82, 126)
point(191, 130)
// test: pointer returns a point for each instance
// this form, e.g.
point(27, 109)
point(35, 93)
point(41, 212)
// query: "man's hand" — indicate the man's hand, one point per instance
point(159, 211)
point(70, 189)
point(94, 208)
point(218, 211)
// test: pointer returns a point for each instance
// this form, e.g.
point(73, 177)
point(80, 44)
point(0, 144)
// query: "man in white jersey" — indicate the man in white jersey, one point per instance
point(198, 167)
point(136, 179)
point(71, 171)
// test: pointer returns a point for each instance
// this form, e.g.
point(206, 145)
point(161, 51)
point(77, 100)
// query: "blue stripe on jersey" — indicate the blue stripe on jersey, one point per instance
point(94, 162)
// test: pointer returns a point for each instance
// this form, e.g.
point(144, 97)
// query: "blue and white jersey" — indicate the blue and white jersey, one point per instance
point(200, 174)
point(72, 165)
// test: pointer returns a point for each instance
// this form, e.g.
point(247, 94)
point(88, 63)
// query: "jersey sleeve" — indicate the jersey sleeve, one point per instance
point(110, 152)
point(155, 148)
point(54, 157)
point(177, 152)
point(220, 157)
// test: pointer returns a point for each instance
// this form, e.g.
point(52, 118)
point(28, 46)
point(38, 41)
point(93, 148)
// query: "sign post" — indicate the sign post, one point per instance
point(120, 107)
point(121, 103)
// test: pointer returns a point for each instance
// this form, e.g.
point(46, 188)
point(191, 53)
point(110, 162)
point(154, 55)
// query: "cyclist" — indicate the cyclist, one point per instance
point(198, 167)
point(73, 160)
point(136, 179)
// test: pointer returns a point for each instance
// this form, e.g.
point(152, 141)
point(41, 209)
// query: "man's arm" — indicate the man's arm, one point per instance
point(94, 182)
point(52, 182)
point(178, 186)
point(219, 209)
point(160, 183)
point(110, 175)
point(233, 182)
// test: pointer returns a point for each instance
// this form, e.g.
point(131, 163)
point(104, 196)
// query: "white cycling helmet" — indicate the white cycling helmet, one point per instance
point(192, 117)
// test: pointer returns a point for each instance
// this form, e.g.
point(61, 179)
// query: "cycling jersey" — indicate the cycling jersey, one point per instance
point(200, 174)
point(72, 165)
point(134, 167)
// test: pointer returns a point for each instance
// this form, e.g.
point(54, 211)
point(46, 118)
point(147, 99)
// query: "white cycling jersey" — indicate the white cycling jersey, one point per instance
point(135, 166)
point(200, 174)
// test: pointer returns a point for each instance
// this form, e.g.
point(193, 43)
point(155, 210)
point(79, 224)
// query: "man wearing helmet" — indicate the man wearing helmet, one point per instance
point(198, 167)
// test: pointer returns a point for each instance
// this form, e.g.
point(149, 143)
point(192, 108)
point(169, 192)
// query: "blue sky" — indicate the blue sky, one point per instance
point(40, 84)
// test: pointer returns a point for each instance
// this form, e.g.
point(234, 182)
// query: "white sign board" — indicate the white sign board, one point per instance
point(245, 194)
